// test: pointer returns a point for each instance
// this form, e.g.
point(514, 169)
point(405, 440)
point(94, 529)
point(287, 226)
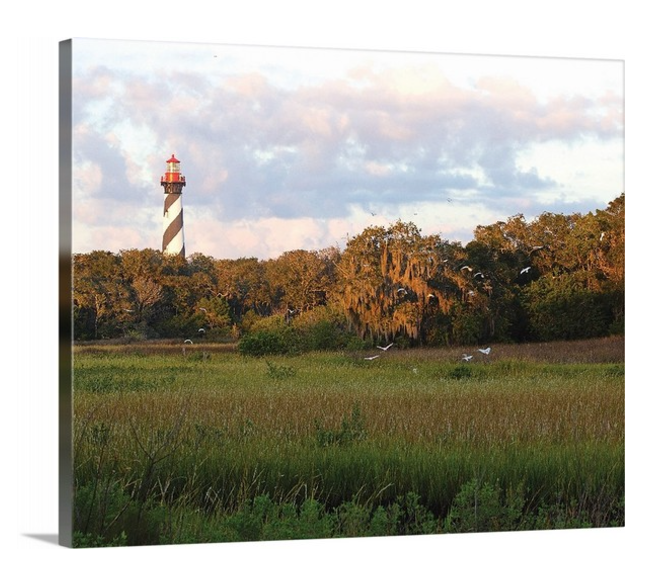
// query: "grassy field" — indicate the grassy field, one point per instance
point(176, 444)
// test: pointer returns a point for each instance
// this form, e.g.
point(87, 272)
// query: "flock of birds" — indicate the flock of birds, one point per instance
point(469, 357)
point(383, 348)
point(189, 341)
point(481, 275)
point(465, 357)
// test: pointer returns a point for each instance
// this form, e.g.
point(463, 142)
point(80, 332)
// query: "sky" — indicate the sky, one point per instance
point(294, 148)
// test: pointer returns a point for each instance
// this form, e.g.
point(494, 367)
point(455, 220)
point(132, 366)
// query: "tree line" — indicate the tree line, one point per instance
point(556, 277)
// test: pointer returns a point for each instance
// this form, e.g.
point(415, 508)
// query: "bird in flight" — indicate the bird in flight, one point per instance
point(372, 357)
point(466, 267)
point(201, 330)
point(188, 341)
point(467, 357)
point(384, 348)
point(525, 270)
point(485, 350)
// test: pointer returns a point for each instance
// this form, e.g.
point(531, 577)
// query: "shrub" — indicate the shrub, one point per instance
point(322, 328)
point(481, 507)
point(563, 310)
point(83, 540)
point(352, 430)
point(176, 326)
point(279, 372)
point(105, 515)
point(460, 372)
point(262, 343)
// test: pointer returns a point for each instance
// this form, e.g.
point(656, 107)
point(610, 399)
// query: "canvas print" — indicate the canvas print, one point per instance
point(327, 293)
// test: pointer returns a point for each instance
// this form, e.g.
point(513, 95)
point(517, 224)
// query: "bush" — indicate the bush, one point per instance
point(107, 516)
point(322, 328)
point(262, 343)
point(177, 326)
point(279, 372)
point(563, 310)
point(468, 326)
point(459, 372)
point(481, 507)
point(86, 540)
point(352, 430)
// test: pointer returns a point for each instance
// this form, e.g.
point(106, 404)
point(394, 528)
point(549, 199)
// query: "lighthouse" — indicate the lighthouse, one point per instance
point(173, 182)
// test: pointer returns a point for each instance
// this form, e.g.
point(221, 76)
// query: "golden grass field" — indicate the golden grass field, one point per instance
point(201, 432)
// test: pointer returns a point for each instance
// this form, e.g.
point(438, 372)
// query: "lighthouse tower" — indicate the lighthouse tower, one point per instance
point(173, 182)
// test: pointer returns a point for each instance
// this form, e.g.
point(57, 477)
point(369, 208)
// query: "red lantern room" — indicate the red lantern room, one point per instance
point(172, 172)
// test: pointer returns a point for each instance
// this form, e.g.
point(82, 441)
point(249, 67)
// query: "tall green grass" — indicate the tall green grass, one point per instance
point(172, 447)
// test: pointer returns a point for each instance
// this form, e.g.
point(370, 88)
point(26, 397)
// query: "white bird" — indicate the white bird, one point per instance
point(430, 295)
point(525, 270)
point(372, 357)
point(188, 341)
point(466, 268)
point(400, 289)
point(485, 350)
point(203, 309)
point(467, 357)
point(384, 348)
point(201, 330)
point(479, 274)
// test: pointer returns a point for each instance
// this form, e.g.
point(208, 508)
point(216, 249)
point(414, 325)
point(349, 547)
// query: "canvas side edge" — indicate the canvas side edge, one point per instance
point(65, 401)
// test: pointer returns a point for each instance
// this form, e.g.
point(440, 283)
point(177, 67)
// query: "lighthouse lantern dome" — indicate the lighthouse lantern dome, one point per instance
point(172, 169)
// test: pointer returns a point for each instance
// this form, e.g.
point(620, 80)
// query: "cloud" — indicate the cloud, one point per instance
point(261, 142)
point(263, 238)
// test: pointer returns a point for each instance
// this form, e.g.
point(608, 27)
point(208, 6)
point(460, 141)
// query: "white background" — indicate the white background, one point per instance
point(29, 518)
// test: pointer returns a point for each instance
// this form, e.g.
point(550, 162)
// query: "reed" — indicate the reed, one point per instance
point(163, 435)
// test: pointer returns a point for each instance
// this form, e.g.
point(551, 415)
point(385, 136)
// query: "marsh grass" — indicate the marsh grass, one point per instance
point(169, 449)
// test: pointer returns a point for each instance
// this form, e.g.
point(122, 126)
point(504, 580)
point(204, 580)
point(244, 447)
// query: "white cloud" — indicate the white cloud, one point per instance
point(267, 139)
point(577, 181)
point(263, 238)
